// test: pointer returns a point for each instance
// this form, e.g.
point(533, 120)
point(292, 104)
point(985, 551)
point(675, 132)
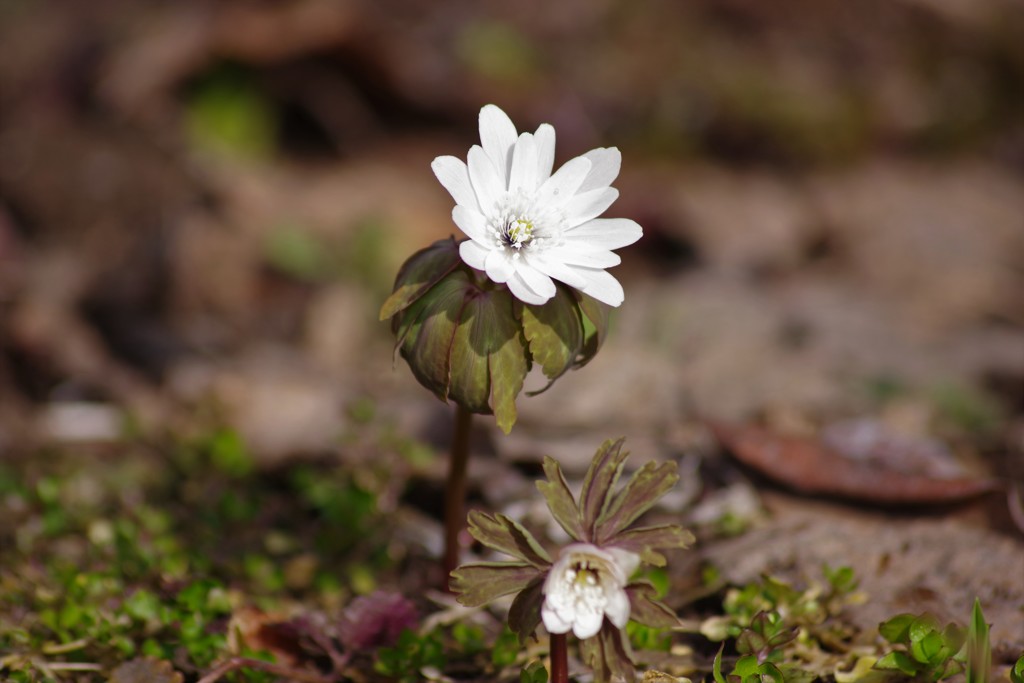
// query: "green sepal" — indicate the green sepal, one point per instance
point(419, 273)
point(554, 334)
point(645, 609)
point(524, 613)
point(559, 499)
point(643, 490)
point(646, 540)
point(479, 583)
point(508, 536)
point(425, 343)
point(508, 363)
point(595, 327)
point(603, 473)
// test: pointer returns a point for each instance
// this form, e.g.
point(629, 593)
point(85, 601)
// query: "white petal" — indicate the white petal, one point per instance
point(471, 222)
point(536, 280)
point(605, 169)
point(591, 258)
point(473, 255)
point(454, 176)
point(562, 186)
point(557, 270)
point(587, 624)
point(523, 292)
point(586, 206)
point(617, 608)
point(601, 285)
point(499, 266)
point(545, 137)
point(626, 561)
point(552, 621)
point(524, 164)
point(487, 184)
point(609, 233)
point(497, 135)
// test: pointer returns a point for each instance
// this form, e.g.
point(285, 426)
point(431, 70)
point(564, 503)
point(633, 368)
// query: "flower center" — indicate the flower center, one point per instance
point(519, 225)
point(584, 582)
point(516, 233)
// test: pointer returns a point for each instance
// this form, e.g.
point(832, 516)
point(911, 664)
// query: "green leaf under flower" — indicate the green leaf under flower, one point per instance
point(524, 613)
point(643, 490)
point(644, 540)
point(559, 499)
point(508, 536)
point(604, 472)
point(646, 609)
point(479, 583)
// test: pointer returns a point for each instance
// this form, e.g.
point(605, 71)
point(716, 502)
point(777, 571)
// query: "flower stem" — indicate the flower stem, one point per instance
point(455, 491)
point(559, 658)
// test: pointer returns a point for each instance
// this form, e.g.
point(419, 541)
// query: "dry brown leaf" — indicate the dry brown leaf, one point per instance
point(808, 466)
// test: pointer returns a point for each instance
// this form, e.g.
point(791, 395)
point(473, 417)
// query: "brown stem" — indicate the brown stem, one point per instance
point(559, 658)
point(276, 669)
point(455, 492)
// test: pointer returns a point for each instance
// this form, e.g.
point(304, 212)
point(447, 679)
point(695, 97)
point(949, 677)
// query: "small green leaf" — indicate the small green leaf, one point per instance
point(898, 661)
point(505, 535)
point(559, 499)
point(419, 273)
point(897, 629)
point(482, 582)
point(603, 473)
point(646, 609)
point(524, 613)
point(716, 668)
point(746, 666)
point(1017, 672)
point(595, 327)
point(643, 490)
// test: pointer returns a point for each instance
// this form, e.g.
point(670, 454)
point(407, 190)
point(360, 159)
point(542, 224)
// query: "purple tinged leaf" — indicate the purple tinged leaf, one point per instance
point(524, 614)
point(554, 332)
point(645, 609)
point(505, 535)
point(559, 499)
point(482, 582)
point(426, 343)
point(643, 490)
point(601, 477)
point(376, 620)
point(419, 273)
point(646, 541)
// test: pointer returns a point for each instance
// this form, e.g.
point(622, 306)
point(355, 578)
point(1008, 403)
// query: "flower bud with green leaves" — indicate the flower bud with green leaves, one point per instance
point(588, 590)
point(468, 340)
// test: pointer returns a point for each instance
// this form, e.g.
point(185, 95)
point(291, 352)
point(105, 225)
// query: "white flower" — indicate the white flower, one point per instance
point(527, 225)
point(586, 584)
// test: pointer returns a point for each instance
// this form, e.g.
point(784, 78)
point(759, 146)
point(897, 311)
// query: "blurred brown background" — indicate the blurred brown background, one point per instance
point(202, 205)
